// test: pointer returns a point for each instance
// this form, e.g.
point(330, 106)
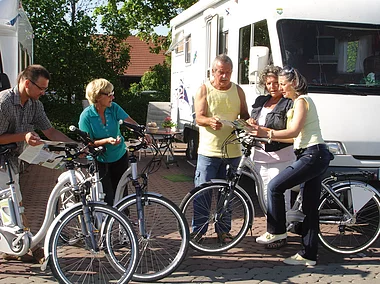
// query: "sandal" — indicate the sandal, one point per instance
point(276, 244)
point(225, 238)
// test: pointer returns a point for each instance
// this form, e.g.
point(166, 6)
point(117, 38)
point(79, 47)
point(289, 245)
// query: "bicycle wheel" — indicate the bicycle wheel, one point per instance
point(341, 234)
point(75, 260)
point(167, 236)
point(236, 218)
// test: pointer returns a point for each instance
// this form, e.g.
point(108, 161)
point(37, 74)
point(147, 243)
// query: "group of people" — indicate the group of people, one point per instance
point(295, 156)
point(285, 115)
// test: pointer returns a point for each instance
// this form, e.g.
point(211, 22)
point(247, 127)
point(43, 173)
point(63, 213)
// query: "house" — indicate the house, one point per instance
point(141, 61)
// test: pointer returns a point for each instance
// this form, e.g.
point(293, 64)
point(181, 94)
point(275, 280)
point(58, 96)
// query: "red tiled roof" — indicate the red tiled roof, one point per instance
point(141, 57)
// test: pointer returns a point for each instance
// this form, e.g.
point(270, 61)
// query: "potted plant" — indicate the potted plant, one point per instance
point(168, 124)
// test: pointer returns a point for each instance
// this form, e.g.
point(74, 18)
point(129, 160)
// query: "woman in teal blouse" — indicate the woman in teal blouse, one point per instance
point(101, 121)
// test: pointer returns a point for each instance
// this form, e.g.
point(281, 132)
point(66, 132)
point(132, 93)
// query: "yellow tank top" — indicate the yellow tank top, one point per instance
point(311, 132)
point(224, 104)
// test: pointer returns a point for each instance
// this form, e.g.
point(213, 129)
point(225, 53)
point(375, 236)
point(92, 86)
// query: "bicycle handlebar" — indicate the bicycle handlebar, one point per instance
point(138, 129)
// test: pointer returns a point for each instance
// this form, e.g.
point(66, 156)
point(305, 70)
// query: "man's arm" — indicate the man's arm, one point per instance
point(31, 138)
point(56, 135)
point(243, 104)
point(201, 110)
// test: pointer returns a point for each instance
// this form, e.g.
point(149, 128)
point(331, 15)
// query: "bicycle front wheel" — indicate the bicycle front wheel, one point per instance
point(165, 241)
point(109, 257)
point(211, 218)
point(341, 233)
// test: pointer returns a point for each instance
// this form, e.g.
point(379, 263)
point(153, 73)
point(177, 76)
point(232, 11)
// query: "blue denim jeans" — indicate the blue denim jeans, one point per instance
point(209, 168)
point(307, 171)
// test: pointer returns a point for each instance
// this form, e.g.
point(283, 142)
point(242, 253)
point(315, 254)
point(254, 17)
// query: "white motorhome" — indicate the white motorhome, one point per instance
point(334, 44)
point(16, 41)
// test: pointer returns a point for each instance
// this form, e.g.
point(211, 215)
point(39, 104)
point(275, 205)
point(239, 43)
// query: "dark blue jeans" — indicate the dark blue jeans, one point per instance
point(307, 171)
point(209, 168)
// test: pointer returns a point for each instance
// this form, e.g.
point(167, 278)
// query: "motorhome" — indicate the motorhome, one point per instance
point(16, 42)
point(334, 44)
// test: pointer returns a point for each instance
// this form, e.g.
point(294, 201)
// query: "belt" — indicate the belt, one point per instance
point(313, 147)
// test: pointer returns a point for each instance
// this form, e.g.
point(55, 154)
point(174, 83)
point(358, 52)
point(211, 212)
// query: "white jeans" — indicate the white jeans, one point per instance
point(268, 172)
point(4, 178)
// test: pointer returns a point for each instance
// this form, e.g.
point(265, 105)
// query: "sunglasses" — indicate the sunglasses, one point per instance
point(288, 69)
point(111, 94)
point(42, 89)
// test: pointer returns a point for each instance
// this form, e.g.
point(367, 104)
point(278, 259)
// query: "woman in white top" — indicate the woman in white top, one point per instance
point(313, 158)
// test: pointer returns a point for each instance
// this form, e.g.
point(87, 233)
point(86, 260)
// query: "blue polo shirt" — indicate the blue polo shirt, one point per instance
point(90, 122)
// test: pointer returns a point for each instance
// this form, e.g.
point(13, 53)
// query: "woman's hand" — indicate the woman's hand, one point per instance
point(251, 121)
point(114, 141)
point(259, 131)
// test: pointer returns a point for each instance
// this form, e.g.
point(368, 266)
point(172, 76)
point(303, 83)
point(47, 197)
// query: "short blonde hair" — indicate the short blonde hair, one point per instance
point(96, 88)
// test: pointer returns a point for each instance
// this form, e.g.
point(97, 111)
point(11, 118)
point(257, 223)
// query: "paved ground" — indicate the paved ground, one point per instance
point(247, 263)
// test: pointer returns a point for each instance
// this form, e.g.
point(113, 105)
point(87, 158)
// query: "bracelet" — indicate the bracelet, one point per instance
point(270, 136)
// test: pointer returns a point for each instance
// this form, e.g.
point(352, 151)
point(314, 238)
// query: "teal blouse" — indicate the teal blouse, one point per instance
point(90, 122)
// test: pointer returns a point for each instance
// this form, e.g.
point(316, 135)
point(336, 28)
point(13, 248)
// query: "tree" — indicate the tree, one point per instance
point(143, 16)
point(154, 86)
point(65, 42)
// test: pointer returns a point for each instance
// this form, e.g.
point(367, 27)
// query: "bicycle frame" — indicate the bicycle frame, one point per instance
point(14, 237)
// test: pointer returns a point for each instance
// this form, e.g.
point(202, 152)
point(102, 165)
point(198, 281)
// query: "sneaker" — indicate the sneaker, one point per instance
point(268, 238)
point(299, 260)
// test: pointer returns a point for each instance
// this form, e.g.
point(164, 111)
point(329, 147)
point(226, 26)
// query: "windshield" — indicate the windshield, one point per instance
point(339, 57)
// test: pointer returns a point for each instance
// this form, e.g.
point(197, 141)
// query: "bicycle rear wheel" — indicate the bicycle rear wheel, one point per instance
point(341, 234)
point(165, 244)
point(73, 259)
point(213, 219)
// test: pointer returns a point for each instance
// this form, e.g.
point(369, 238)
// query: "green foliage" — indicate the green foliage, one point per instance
point(154, 86)
point(143, 16)
point(65, 42)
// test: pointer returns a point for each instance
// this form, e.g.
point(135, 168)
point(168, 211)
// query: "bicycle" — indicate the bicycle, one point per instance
point(93, 241)
point(163, 232)
point(350, 202)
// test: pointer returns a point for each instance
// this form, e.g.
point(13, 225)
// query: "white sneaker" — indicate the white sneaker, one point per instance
point(268, 238)
point(299, 260)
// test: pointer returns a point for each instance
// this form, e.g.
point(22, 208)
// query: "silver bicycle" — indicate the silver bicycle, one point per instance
point(349, 209)
point(162, 230)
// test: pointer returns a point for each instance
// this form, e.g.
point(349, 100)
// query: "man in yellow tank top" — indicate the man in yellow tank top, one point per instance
point(219, 99)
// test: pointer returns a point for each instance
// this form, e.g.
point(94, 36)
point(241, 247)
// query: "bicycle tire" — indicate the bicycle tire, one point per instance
point(242, 216)
point(75, 262)
point(166, 245)
point(353, 237)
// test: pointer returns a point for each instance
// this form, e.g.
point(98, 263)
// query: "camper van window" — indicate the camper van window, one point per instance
point(331, 54)
point(223, 42)
point(259, 37)
point(188, 49)
point(244, 47)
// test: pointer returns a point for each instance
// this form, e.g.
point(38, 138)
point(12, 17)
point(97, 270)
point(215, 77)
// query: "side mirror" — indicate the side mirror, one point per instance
point(258, 59)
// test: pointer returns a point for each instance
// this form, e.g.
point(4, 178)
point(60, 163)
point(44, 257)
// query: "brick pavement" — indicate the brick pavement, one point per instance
point(247, 263)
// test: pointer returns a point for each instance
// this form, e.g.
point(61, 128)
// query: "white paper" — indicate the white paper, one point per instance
point(40, 155)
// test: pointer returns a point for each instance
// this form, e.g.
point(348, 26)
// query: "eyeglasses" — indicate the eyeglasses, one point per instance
point(111, 94)
point(42, 89)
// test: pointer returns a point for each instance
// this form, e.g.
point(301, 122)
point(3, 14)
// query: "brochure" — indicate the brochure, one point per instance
point(41, 155)
point(238, 124)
